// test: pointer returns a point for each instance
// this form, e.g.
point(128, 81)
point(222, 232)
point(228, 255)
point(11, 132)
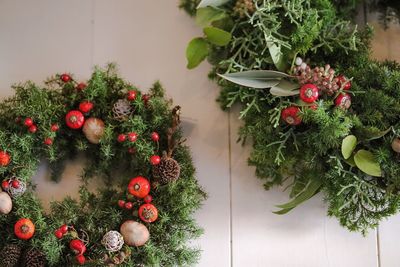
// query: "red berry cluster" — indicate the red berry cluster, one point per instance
point(76, 245)
point(60, 232)
point(13, 182)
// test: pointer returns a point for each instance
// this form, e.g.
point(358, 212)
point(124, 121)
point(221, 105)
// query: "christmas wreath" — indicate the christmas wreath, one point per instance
point(319, 111)
point(143, 215)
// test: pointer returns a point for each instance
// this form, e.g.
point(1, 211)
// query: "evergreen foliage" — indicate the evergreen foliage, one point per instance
point(98, 213)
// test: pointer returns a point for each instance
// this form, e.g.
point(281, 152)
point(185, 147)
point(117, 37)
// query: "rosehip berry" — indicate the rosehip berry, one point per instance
point(343, 101)
point(128, 205)
point(145, 99)
point(80, 259)
point(155, 160)
point(131, 95)
point(121, 138)
point(65, 78)
point(54, 127)
point(86, 106)
point(5, 184)
point(309, 93)
point(121, 203)
point(132, 136)
point(81, 86)
point(58, 234)
point(48, 141)
point(15, 184)
point(28, 122)
point(148, 199)
point(291, 115)
point(64, 229)
point(32, 129)
point(155, 137)
point(343, 81)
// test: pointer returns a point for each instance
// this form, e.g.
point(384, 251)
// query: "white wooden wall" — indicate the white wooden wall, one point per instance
point(147, 39)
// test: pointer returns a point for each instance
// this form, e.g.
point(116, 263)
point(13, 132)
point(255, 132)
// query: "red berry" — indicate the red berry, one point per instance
point(291, 115)
point(343, 81)
point(121, 203)
point(145, 99)
point(28, 122)
point(131, 95)
point(48, 141)
point(64, 229)
point(148, 199)
point(80, 259)
point(155, 160)
point(121, 138)
point(81, 86)
point(139, 187)
point(32, 129)
point(131, 150)
point(58, 234)
point(5, 184)
point(85, 106)
point(77, 246)
point(65, 78)
point(54, 128)
point(74, 119)
point(128, 205)
point(155, 137)
point(5, 158)
point(132, 136)
point(343, 101)
point(15, 184)
point(309, 93)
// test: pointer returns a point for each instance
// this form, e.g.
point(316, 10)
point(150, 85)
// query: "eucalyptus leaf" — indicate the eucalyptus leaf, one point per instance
point(259, 79)
point(213, 3)
point(350, 161)
point(206, 15)
point(308, 192)
point(367, 163)
point(196, 51)
point(378, 135)
point(277, 56)
point(282, 211)
point(278, 91)
point(288, 85)
point(217, 36)
point(349, 143)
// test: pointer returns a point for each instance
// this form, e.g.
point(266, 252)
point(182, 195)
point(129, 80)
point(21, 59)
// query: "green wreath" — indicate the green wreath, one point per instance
point(131, 221)
point(338, 134)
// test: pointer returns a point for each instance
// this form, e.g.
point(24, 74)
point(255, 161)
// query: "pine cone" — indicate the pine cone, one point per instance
point(34, 258)
point(122, 109)
point(10, 255)
point(244, 7)
point(167, 171)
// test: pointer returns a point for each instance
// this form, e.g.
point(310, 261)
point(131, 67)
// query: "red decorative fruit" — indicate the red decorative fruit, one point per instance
point(145, 99)
point(80, 259)
point(148, 213)
point(148, 199)
point(64, 229)
point(85, 106)
point(4, 158)
point(128, 205)
point(74, 119)
point(121, 138)
point(81, 86)
point(155, 160)
point(77, 246)
point(28, 122)
point(5, 184)
point(131, 95)
point(132, 136)
point(155, 137)
point(309, 93)
point(58, 234)
point(343, 81)
point(291, 115)
point(48, 141)
point(33, 129)
point(24, 229)
point(139, 187)
point(65, 78)
point(121, 203)
point(54, 128)
point(343, 101)
point(15, 184)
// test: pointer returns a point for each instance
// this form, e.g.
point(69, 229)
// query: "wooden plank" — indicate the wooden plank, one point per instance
point(303, 237)
point(147, 39)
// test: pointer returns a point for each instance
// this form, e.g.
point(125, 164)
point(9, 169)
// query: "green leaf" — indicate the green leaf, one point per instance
point(378, 135)
point(349, 143)
point(213, 3)
point(350, 161)
point(196, 52)
point(217, 36)
point(367, 163)
point(311, 189)
point(285, 88)
point(277, 56)
point(206, 15)
point(259, 79)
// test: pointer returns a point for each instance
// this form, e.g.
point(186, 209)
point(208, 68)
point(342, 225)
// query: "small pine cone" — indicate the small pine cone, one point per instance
point(10, 255)
point(167, 171)
point(34, 258)
point(244, 7)
point(122, 109)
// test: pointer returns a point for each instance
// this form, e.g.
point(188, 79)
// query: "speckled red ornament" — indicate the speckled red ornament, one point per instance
point(343, 101)
point(74, 119)
point(343, 81)
point(291, 115)
point(309, 93)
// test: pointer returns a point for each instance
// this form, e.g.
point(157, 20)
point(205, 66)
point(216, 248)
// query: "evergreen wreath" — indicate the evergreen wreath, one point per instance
point(316, 107)
point(140, 221)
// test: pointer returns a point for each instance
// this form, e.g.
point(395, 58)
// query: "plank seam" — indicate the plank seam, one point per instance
point(230, 189)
